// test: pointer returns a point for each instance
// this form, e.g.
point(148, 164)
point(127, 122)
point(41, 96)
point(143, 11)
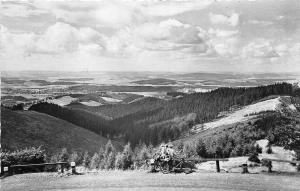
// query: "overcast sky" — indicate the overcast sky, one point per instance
point(151, 35)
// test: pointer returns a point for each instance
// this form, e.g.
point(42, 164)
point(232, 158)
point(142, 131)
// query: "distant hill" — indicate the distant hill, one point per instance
point(21, 129)
point(156, 81)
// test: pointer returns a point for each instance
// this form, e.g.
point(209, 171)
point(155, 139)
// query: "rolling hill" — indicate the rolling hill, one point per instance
point(21, 129)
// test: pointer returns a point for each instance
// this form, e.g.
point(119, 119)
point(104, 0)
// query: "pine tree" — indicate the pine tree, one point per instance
point(95, 161)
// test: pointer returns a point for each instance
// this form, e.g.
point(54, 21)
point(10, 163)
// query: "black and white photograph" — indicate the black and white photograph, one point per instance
point(138, 95)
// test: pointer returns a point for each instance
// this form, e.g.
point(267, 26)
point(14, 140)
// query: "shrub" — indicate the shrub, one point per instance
point(254, 158)
point(258, 149)
point(189, 150)
point(27, 156)
point(269, 149)
point(201, 148)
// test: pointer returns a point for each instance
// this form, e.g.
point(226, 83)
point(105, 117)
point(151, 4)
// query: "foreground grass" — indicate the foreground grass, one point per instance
point(141, 180)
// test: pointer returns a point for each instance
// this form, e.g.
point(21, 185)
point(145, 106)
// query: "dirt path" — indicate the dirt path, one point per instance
point(134, 180)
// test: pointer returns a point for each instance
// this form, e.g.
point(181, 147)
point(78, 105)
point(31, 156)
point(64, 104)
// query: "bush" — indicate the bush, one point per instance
point(189, 150)
point(254, 158)
point(201, 148)
point(258, 149)
point(269, 149)
point(27, 156)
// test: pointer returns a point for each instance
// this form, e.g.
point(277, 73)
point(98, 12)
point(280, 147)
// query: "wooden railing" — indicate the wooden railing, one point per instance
point(209, 159)
point(269, 162)
point(10, 170)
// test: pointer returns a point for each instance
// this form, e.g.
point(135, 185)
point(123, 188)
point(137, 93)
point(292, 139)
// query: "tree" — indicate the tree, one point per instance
point(127, 156)
point(95, 161)
point(86, 160)
point(64, 155)
point(75, 157)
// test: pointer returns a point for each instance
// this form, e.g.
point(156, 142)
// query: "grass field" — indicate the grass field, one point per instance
point(140, 180)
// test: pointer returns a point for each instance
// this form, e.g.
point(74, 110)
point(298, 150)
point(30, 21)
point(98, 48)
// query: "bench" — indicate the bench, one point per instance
point(269, 162)
point(209, 159)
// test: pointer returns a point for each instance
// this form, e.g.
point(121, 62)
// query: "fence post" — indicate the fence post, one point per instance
point(269, 166)
point(245, 168)
point(62, 167)
point(73, 166)
point(218, 165)
point(5, 171)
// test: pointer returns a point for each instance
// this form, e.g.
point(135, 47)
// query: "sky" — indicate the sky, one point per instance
point(151, 35)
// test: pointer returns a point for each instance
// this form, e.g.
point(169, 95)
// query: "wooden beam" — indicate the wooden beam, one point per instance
point(207, 159)
point(41, 164)
point(279, 160)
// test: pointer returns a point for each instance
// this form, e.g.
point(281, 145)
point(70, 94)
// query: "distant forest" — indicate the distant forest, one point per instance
point(153, 121)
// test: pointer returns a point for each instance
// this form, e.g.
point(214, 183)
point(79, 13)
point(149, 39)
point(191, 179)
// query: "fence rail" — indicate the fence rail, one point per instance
point(269, 162)
point(13, 168)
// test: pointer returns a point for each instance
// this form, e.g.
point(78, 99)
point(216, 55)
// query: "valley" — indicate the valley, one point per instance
point(75, 113)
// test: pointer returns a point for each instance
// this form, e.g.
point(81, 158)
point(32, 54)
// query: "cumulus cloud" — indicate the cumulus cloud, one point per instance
point(19, 9)
point(232, 20)
point(170, 8)
point(259, 49)
point(180, 31)
point(57, 39)
point(166, 35)
point(223, 33)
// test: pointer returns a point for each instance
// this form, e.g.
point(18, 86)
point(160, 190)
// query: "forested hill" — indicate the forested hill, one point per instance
point(160, 122)
point(25, 129)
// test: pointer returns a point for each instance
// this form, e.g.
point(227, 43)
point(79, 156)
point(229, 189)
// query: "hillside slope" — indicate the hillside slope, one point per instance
point(21, 129)
point(281, 104)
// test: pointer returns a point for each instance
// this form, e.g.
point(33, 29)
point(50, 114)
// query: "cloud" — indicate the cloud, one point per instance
point(56, 39)
point(117, 14)
point(166, 35)
point(232, 20)
point(222, 33)
point(171, 8)
point(19, 9)
point(261, 48)
point(260, 22)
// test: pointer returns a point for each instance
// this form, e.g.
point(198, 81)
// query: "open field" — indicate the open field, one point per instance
point(140, 180)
